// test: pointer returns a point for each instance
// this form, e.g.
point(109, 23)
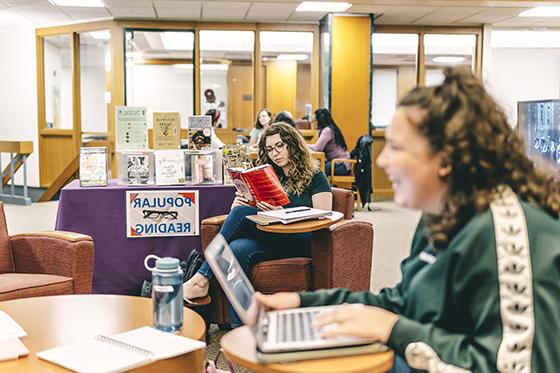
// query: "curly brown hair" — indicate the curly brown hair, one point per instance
point(464, 123)
point(301, 167)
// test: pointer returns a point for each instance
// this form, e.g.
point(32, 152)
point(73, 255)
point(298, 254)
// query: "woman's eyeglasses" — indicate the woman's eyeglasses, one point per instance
point(278, 147)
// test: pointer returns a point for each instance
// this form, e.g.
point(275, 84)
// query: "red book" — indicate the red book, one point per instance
point(259, 184)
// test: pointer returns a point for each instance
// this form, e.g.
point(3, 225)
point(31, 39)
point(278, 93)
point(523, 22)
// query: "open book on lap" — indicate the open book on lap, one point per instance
point(259, 184)
point(121, 352)
point(289, 215)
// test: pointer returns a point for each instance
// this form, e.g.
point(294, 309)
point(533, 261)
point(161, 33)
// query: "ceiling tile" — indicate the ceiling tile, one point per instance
point(47, 18)
point(262, 15)
point(81, 12)
point(481, 19)
point(10, 18)
point(307, 16)
point(187, 13)
point(523, 22)
point(225, 11)
point(505, 11)
point(174, 4)
point(448, 15)
point(375, 9)
point(37, 5)
point(274, 7)
point(128, 3)
point(132, 12)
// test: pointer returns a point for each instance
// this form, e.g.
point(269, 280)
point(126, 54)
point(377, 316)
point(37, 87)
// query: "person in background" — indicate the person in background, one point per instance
point(331, 142)
point(479, 292)
point(261, 124)
point(284, 117)
point(283, 148)
point(216, 142)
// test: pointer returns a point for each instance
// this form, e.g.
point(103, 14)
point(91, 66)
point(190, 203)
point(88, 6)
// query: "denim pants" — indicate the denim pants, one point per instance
point(399, 365)
point(252, 246)
point(339, 169)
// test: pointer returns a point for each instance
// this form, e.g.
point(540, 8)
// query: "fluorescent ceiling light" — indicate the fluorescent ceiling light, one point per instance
point(177, 41)
point(448, 59)
point(291, 57)
point(541, 11)
point(101, 35)
point(318, 6)
point(79, 3)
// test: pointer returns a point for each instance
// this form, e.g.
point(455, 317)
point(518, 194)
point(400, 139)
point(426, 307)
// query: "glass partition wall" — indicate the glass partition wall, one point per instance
point(57, 51)
point(404, 57)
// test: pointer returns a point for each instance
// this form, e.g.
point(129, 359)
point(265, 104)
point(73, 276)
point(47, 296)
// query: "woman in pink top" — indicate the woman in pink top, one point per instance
point(331, 142)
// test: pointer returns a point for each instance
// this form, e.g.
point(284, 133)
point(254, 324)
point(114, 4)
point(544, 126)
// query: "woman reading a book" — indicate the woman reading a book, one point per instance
point(281, 146)
point(261, 124)
point(479, 290)
point(331, 141)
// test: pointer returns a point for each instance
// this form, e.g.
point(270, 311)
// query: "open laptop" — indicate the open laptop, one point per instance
point(280, 336)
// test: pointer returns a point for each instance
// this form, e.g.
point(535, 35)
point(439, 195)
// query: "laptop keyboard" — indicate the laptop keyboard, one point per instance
point(295, 327)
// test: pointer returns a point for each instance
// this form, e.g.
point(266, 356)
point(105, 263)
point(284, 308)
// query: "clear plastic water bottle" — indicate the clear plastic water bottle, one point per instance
point(167, 293)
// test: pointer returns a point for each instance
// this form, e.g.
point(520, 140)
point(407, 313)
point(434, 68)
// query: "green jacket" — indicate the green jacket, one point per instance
point(481, 305)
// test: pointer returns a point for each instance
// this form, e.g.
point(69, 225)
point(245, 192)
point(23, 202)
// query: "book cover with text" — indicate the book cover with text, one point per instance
point(167, 131)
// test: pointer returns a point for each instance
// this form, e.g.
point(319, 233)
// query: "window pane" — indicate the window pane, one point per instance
point(58, 81)
point(447, 49)
point(286, 61)
point(394, 73)
point(95, 68)
point(159, 71)
point(325, 63)
point(226, 76)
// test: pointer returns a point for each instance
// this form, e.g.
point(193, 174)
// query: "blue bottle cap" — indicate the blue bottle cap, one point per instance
point(167, 263)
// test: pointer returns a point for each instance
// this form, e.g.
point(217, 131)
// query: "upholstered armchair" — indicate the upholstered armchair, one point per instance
point(341, 256)
point(46, 263)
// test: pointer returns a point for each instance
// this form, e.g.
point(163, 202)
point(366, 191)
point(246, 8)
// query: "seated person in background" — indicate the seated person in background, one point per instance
point(261, 124)
point(285, 117)
point(479, 290)
point(216, 142)
point(331, 141)
point(282, 147)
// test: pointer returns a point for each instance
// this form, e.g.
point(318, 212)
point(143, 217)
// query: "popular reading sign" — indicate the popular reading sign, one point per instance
point(161, 213)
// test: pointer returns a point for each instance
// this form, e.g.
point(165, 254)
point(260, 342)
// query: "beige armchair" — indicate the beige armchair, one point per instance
point(46, 263)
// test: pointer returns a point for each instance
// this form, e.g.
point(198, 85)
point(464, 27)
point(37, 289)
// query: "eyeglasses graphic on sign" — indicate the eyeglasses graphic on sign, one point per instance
point(279, 146)
point(153, 214)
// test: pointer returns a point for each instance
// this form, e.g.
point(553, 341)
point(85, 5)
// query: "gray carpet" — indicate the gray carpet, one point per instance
point(393, 226)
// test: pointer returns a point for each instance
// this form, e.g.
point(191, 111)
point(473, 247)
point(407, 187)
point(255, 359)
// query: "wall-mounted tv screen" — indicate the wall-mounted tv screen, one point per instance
point(539, 125)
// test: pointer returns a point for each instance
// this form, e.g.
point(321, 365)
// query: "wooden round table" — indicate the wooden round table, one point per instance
point(303, 226)
point(65, 319)
point(239, 347)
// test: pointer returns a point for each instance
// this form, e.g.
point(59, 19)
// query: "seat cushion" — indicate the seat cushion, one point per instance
point(272, 276)
point(26, 285)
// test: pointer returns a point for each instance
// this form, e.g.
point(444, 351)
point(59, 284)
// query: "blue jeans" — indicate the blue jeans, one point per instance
point(251, 246)
point(339, 169)
point(399, 366)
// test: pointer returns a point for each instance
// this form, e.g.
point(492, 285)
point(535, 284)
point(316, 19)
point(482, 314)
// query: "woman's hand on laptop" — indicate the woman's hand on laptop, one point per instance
point(356, 320)
point(278, 301)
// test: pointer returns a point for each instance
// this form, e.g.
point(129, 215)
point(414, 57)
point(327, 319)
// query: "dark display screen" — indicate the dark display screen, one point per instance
point(539, 125)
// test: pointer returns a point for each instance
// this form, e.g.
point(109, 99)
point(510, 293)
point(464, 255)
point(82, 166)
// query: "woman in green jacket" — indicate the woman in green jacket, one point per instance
point(480, 291)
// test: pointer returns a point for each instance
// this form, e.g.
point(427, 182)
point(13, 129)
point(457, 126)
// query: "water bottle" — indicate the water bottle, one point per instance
point(167, 293)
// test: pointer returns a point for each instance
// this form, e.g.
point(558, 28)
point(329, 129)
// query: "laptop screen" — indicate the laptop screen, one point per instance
point(233, 280)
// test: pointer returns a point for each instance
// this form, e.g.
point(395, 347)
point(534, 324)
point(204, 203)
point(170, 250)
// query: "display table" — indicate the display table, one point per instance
point(68, 319)
point(100, 212)
point(239, 347)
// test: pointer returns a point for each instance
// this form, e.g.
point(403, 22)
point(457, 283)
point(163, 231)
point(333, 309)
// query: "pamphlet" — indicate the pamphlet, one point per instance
point(199, 132)
point(132, 130)
point(137, 169)
point(202, 168)
point(170, 167)
point(93, 166)
point(167, 131)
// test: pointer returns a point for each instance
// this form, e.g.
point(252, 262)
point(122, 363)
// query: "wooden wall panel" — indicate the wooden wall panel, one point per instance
point(62, 151)
point(381, 185)
point(350, 75)
point(240, 96)
point(303, 92)
point(281, 85)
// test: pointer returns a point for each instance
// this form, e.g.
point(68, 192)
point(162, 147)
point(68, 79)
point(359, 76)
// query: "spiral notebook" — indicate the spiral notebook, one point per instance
point(120, 352)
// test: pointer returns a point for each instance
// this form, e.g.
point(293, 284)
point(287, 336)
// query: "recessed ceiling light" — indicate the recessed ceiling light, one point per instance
point(101, 35)
point(79, 3)
point(291, 57)
point(541, 11)
point(448, 59)
point(318, 6)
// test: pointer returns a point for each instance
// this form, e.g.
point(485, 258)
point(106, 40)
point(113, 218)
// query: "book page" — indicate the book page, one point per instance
point(12, 349)
point(95, 356)
point(163, 345)
point(9, 328)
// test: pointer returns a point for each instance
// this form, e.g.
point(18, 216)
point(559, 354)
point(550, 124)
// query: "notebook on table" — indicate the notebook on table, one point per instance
point(120, 352)
point(289, 215)
point(281, 336)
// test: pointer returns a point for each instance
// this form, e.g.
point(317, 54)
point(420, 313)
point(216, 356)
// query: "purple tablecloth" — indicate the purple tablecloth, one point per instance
point(119, 261)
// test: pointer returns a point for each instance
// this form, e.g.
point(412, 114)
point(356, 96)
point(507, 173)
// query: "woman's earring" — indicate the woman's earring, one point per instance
point(444, 171)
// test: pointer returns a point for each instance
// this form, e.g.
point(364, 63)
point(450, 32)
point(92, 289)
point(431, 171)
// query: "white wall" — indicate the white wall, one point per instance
point(523, 74)
point(18, 94)
point(94, 107)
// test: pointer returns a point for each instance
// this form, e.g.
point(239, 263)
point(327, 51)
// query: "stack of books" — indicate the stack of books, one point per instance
point(289, 215)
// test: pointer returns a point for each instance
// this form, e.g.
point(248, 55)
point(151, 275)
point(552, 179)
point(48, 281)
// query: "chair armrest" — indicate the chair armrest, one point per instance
point(342, 256)
point(58, 253)
point(340, 160)
point(210, 228)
